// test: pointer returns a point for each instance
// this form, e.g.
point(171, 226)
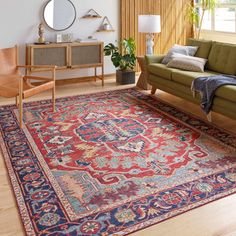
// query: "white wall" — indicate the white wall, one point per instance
point(19, 20)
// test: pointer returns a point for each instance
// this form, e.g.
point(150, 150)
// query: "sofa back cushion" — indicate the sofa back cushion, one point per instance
point(204, 47)
point(222, 58)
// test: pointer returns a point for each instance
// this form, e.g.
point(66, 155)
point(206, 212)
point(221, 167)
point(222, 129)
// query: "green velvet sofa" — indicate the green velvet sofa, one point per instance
point(221, 60)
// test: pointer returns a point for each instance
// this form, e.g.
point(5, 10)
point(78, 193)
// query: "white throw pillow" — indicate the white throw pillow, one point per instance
point(184, 50)
point(187, 63)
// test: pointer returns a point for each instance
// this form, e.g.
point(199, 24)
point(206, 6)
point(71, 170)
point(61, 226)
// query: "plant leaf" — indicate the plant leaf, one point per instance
point(123, 58)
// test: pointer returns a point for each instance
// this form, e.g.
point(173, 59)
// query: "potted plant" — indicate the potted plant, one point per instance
point(193, 15)
point(123, 59)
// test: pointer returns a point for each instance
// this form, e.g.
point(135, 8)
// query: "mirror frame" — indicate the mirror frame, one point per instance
point(63, 28)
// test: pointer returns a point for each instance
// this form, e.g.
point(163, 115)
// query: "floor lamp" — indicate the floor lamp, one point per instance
point(149, 24)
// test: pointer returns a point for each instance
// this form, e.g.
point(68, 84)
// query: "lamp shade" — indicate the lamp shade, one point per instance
point(149, 24)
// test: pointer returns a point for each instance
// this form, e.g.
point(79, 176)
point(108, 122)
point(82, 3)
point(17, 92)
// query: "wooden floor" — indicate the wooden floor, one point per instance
point(214, 219)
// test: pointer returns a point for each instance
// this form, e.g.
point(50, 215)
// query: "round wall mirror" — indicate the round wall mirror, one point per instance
point(59, 14)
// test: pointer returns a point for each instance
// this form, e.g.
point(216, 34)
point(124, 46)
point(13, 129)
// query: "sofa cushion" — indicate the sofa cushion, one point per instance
point(188, 63)
point(150, 58)
point(227, 92)
point(223, 93)
point(186, 77)
point(185, 50)
point(222, 58)
point(204, 47)
point(161, 70)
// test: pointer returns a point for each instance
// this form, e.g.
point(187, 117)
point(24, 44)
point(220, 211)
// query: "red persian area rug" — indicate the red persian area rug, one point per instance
point(112, 163)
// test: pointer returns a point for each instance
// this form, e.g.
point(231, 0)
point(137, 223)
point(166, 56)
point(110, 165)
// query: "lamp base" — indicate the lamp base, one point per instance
point(149, 43)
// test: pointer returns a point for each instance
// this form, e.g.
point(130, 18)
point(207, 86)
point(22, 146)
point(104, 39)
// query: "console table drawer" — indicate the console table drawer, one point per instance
point(86, 55)
point(50, 56)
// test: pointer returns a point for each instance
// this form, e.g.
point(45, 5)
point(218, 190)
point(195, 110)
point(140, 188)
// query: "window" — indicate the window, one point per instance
point(223, 18)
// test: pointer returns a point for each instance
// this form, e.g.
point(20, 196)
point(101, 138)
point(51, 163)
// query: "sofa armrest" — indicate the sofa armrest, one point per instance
point(154, 58)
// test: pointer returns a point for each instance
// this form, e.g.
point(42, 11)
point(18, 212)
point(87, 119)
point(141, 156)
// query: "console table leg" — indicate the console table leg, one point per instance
point(17, 104)
point(95, 72)
point(53, 100)
point(54, 91)
point(102, 76)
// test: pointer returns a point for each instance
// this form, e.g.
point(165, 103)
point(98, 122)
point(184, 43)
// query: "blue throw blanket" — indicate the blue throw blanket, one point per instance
point(207, 87)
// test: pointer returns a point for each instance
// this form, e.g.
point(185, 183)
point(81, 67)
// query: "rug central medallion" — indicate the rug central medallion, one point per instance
point(119, 129)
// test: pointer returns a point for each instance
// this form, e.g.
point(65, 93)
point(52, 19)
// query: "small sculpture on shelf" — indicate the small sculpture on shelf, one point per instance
point(105, 25)
point(91, 14)
point(41, 38)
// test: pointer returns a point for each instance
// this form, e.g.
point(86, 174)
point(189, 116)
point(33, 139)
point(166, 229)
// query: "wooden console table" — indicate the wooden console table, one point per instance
point(67, 56)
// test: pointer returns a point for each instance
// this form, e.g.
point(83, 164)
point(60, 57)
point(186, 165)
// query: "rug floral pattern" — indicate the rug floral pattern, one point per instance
point(112, 162)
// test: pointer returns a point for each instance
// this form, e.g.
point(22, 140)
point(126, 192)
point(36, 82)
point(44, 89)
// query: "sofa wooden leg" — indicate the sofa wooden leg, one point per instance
point(209, 118)
point(153, 91)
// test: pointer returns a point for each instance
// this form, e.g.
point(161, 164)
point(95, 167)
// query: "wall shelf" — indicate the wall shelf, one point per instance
point(101, 30)
point(91, 17)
